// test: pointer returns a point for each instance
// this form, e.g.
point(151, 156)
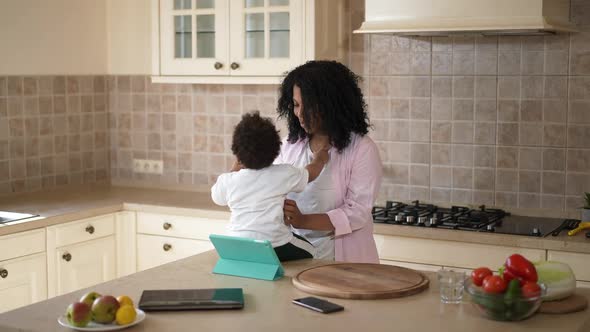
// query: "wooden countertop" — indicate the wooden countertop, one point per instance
point(268, 307)
point(68, 204)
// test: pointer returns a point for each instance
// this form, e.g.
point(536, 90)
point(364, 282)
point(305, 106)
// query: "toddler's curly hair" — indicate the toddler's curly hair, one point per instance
point(256, 142)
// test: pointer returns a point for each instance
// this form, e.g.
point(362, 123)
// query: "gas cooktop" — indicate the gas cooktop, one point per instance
point(463, 218)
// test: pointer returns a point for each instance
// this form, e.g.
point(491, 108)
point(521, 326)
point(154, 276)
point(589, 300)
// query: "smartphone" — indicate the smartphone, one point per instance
point(318, 305)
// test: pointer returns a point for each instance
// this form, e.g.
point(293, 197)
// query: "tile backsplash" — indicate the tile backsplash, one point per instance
point(499, 121)
point(53, 132)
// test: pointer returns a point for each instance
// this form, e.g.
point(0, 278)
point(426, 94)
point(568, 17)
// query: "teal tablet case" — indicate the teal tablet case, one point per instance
point(245, 257)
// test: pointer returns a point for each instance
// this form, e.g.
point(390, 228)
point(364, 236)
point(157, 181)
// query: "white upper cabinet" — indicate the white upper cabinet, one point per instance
point(244, 41)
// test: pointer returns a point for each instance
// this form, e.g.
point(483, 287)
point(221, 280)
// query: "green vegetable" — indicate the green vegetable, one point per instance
point(512, 293)
point(559, 279)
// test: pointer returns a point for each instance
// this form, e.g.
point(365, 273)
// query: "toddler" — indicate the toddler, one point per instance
point(255, 189)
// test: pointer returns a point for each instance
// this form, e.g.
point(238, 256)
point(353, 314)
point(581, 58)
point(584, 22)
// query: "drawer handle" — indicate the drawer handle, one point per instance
point(235, 65)
point(167, 247)
point(4, 273)
point(90, 229)
point(167, 225)
point(67, 257)
point(218, 65)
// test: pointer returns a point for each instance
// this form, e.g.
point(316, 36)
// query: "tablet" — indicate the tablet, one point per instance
point(244, 257)
point(191, 299)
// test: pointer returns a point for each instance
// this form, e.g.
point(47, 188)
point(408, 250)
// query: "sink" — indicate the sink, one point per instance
point(6, 216)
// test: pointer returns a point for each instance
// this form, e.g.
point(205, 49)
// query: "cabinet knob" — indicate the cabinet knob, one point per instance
point(90, 229)
point(234, 65)
point(67, 257)
point(167, 247)
point(218, 65)
point(3, 273)
point(167, 225)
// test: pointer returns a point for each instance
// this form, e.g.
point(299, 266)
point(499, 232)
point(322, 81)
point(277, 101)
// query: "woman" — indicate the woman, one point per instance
point(324, 108)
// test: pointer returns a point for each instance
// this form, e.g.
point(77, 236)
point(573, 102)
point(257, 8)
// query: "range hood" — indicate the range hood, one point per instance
point(466, 17)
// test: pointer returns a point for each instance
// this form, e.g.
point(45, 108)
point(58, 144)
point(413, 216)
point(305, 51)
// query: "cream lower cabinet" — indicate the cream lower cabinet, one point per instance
point(23, 281)
point(81, 254)
point(580, 264)
point(431, 255)
point(23, 273)
point(84, 264)
point(163, 238)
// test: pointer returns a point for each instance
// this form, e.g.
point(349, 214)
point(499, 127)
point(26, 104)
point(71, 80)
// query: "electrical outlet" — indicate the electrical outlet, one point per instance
point(147, 166)
point(156, 166)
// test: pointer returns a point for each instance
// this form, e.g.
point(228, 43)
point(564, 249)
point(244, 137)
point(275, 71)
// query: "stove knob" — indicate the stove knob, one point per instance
point(410, 219)
point(398, 218)
point(421, 221)
point(536, 232)
point(490, 228)
point(433, 221)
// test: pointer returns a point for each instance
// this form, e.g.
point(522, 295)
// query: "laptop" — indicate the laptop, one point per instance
point(191, 299)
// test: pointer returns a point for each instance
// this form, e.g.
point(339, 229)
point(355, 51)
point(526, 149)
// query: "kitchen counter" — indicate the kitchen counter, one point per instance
point(268, 307)
point(68, 204)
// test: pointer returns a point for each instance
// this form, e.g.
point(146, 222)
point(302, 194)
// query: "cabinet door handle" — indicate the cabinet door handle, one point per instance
point(167, 225)
point(3, 273)
point(234, 65)
point(67, 257)
point(90, 229)
point(218, 65)
point(167, 247)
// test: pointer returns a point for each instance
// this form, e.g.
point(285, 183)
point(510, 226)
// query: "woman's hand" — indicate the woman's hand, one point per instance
point(291, 214)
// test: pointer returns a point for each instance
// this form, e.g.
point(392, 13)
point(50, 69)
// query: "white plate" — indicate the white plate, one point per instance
point(92, 326)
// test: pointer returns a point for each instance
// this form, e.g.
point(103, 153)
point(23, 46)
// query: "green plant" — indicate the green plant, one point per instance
point(587, 199)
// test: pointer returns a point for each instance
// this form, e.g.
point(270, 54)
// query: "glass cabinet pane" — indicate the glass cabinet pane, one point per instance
point(278, 3)
point(205, 36)
point(204, 4)
point(182, 4)
point(253, 3)
point(255, 35)
point(279, 35)
point(182, 36)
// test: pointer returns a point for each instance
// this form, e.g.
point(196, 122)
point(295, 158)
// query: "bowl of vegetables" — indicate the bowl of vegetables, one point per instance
point(512, 295)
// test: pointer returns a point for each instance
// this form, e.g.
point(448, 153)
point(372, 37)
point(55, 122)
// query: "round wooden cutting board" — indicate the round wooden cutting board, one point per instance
point(573, 303)
point(360, 281)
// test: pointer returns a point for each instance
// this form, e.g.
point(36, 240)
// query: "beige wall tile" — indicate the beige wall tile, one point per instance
point(462, 196)
point(555, 110)
point(531, 87)
point(529, 181)
point(531, 110)
point(462, 132)
point(441, 154)
point(529, 201)
point(462, 178)
point(420, 175)
point(486, 110)
point(556, 62)
point(508, 133)
point(420, 131)
point(531, 134)
point(419, 193)
point(420, 153)
point(577, 136)
point(507, 157)
point(400, 108)
point(463, 87)
point(555, 87)
point(441, 177)
point(553, 183)
point(442, 63)
point(397, 173)
point(506, 199)
point(483, 178)
point(533, 62)
point(421, 63)
point(486, 62)
point(420, 108)
point(442, 86)
point(463, 62)
point(440, 195)
point(398, 152)
point(578, 160)
point(399, 130)
point(462, 155)
point(554, 159)
point(485, 133)
point(530, 158)
point(463, 109)
point(486, 87)
point(508, 62)
point(508, 110)
point(553, 202)
point(484, 156)
point(420, 86)
point(580, 63)
point(577, 183)
point(506, 180)
point(508, 87)
point(554, 135)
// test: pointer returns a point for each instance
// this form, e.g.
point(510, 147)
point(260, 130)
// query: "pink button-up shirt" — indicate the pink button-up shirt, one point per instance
point(356, 173)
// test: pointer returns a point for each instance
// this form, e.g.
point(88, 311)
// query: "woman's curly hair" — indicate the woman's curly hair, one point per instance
point(330, 94)
point(256, 142)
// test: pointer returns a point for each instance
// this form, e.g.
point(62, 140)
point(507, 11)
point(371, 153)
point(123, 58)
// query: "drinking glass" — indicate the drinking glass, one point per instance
point(451, 285)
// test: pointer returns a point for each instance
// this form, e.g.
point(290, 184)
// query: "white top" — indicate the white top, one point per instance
point(319, 196)
point(256, 199)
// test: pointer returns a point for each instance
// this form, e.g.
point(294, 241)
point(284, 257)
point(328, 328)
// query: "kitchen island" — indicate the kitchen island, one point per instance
point(268, 307)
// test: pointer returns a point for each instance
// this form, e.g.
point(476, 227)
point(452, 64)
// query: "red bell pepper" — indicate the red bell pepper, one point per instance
point(518, 267)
